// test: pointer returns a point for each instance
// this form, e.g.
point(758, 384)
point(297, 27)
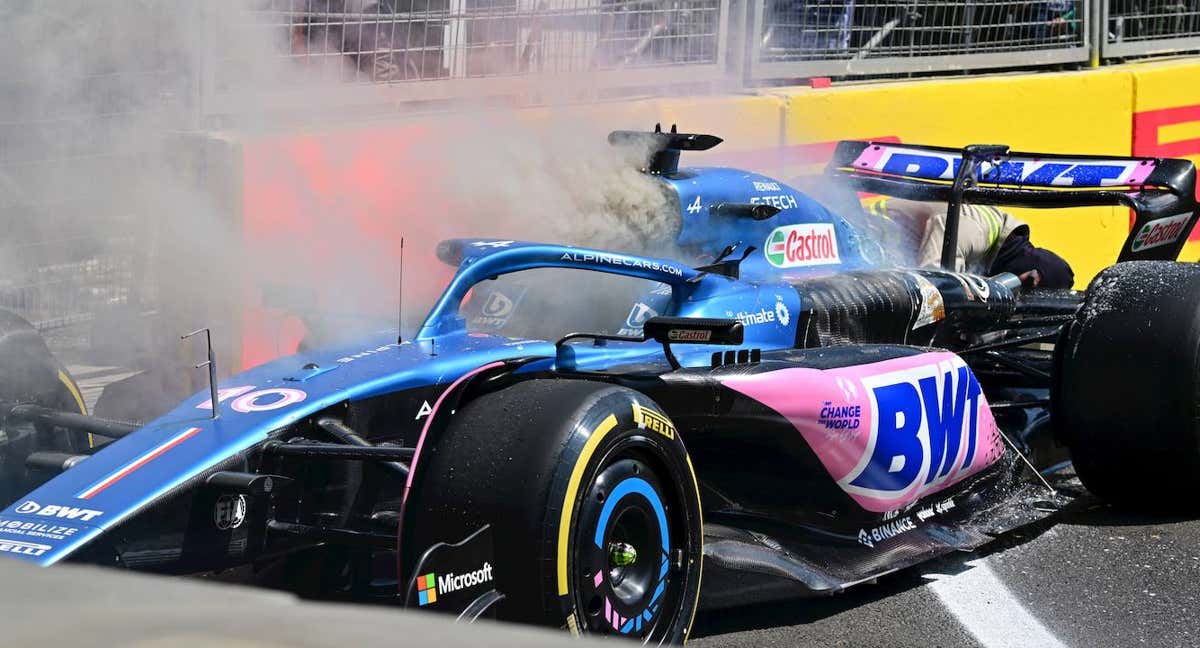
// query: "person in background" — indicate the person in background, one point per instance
point(990, 241)
point(812, 28)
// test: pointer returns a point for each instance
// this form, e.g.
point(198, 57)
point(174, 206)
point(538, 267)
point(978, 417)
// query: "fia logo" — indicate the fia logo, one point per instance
point(229, 512)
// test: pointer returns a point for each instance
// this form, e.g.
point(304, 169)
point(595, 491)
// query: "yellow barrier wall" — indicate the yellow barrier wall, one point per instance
point(1166, 117)
point(1079, 112)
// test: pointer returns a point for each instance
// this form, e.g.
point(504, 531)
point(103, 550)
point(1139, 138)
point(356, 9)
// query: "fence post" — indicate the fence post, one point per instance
point(736, 38)
point(1097, 29)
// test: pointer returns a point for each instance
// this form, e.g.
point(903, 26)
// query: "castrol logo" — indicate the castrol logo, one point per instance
point(809, 244)
point(1160, 231)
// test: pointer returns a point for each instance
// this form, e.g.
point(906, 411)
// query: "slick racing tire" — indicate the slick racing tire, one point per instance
point(592, 501)
point(29, 373)
point(1127, 397)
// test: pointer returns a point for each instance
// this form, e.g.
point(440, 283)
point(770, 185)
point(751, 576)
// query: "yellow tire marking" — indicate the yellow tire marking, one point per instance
point(687, 630)
point(70, 385)
point(564, 522)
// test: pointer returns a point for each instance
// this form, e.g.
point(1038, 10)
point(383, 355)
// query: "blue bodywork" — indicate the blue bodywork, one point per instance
point(699, 189)
point(132, 473)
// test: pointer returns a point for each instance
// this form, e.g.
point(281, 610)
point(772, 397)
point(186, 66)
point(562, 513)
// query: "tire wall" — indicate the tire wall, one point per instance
point(346, 196)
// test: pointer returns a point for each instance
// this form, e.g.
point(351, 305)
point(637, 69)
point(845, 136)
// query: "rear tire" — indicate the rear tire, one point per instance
point(1128, 393)
point(552, 466)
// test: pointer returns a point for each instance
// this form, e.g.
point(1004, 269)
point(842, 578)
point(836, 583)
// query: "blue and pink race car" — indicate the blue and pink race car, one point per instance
point(789, 417)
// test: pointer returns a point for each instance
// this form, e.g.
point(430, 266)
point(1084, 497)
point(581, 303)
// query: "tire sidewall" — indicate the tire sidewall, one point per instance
point(1126, 393)
point(507, 459)
point(614, 419)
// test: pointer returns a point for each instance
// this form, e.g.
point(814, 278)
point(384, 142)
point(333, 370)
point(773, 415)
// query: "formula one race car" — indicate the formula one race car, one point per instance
point(788, 417)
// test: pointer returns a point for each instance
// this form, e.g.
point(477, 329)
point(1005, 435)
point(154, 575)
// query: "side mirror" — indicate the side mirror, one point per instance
point(691, 330)
point(673, 330)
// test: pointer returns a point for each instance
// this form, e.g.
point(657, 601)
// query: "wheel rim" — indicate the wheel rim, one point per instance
point(628, 548)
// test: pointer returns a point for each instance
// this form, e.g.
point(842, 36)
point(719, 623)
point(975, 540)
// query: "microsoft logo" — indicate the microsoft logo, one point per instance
point(430, 585)
point(427, 589)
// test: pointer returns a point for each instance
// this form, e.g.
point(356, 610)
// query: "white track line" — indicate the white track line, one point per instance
point(985, 607)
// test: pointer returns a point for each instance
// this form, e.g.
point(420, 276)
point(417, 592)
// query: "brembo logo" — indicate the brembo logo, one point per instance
point(810, 244)
point(30, 507)
point(1160, 231)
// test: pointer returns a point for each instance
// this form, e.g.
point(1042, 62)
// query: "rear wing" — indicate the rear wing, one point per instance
point(1161, 191)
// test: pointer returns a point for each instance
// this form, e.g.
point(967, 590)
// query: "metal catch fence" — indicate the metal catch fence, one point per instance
point(1149, 27)
point(82, 118)
point(796, 38)
point(62, 282)
point(455, 46)
point(418, 40)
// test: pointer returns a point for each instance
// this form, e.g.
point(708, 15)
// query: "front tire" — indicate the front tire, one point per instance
point(593, 504)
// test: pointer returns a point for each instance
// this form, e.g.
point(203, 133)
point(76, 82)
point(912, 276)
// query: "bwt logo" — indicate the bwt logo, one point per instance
point(926, 423)
point(30, 507)
point(1045, 173)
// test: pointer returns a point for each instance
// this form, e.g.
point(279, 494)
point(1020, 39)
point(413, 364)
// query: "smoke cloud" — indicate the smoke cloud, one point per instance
point(105, 166)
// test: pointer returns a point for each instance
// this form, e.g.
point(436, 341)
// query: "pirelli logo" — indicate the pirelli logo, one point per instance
point(649, 419)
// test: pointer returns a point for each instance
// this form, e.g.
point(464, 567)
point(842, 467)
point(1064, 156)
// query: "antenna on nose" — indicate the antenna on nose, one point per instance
point(400, 298)
point(211, 363)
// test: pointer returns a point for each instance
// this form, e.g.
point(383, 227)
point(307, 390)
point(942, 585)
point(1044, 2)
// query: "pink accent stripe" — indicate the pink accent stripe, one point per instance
point(99, 486)
point(1140, 173)
point(870, 157)
point(607, 610)
point(412, 467)
point(598, 579)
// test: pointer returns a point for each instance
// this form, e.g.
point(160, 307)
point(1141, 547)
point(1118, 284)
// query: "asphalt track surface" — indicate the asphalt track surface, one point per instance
point(1087, 576)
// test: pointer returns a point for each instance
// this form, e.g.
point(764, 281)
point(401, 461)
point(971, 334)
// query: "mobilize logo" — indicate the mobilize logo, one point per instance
point(795, 246)
point(1160, 231)
point(430, 585)
point(30, 507)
